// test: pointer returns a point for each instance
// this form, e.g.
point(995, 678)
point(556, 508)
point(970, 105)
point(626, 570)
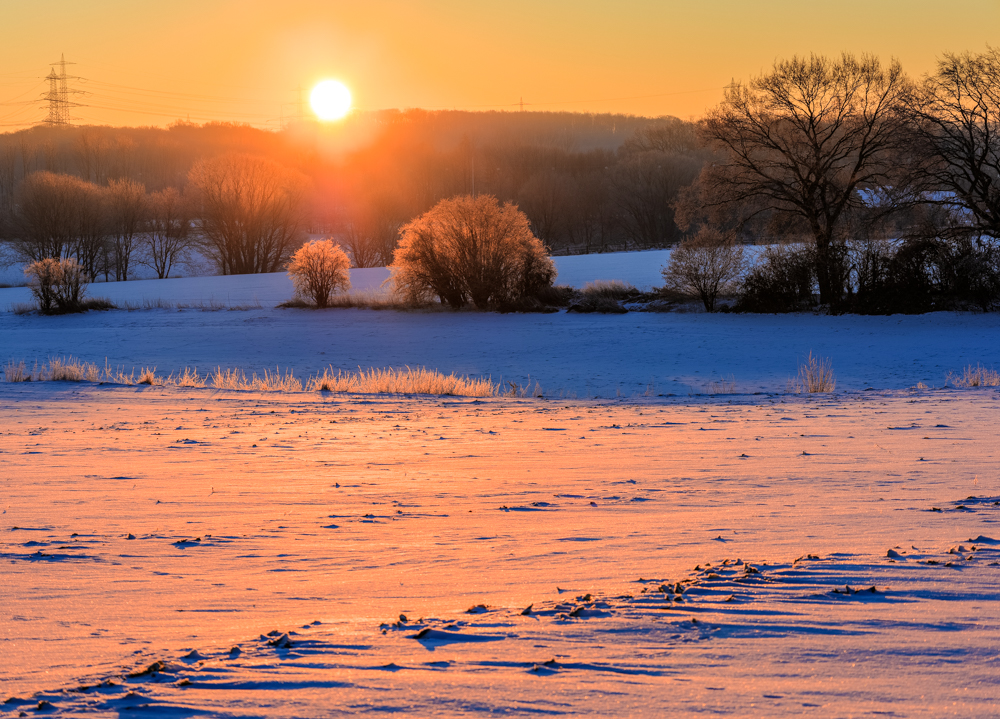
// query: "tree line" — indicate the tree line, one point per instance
point(588, 183)
point(887, 186)
point(874, 191)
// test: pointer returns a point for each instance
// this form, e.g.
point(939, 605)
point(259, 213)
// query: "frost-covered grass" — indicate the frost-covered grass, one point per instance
point(405, 381)
point(816, 375)
point(977, 376)
point(372, 381)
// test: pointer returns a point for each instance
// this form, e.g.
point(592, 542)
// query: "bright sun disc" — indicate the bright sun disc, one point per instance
point(330, 100)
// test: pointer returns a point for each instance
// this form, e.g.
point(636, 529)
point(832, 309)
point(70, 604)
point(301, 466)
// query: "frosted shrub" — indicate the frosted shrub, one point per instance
point(471, 250)
point(58, 285)
point(318, 270)
point(704, 266)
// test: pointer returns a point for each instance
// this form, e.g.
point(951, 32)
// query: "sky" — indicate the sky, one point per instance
point(142, 63)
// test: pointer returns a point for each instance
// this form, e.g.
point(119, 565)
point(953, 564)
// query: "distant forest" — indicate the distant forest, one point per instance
point(588, 183)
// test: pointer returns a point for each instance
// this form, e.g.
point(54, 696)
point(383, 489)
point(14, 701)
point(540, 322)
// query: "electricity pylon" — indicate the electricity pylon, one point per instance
point(58, 94)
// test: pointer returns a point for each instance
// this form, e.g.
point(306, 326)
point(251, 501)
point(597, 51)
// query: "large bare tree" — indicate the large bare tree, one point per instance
point(251, 211)
point(128, 209)
point(958, 122)
point(801, 145)
point(168, 235)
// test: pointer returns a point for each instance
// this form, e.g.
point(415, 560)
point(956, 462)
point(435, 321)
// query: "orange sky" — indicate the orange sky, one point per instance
point(147, 63)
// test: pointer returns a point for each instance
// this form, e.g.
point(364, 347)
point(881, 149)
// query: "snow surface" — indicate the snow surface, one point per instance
point(148, 531)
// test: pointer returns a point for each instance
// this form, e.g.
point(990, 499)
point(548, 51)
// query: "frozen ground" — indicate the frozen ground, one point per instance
point(161, 527)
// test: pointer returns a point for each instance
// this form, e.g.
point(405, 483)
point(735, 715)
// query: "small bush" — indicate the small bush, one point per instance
point(58, 285)
point(599, 303)
point(816, 375)
point(781, 281)
point(705, 266)
point(319, 270)
point(555, 295)
point(96, 303)
point(977, 376)
point(471, 250)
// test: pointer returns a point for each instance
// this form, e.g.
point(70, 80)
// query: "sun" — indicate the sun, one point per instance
point(330, 100)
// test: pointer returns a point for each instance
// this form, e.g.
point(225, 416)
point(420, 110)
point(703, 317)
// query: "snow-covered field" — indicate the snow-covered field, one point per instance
point(681, 552)
point(569, 355)
point(746, 557)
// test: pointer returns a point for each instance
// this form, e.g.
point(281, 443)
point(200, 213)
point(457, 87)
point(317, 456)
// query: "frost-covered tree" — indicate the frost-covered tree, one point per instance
point(471, 250)
point(706, 266)
point(318, 270)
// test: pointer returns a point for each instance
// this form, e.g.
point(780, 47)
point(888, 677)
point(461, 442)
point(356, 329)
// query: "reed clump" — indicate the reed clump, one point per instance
point(977, 376)
point(815, 375)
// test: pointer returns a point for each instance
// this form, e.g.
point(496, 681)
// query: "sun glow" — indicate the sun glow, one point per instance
point(330, 100)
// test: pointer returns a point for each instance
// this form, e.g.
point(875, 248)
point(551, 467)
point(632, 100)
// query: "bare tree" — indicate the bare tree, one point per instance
point(91, 246)
point(127, 213)
point(251, 211)
point(800, 142)
point(705, 266)
point(646, 185)
point(958, 123)
point(46, 220)
point(168, 236)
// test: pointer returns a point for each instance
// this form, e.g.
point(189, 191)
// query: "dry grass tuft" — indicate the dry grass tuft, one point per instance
point(608, 289)
point(977, 376)
point(16, 372)
point(68, 369)
point(148, 376)
point(228, 379)
point(724, 385)
point(403, 381)
point(383, 298)
point(275, 382)
point(815, 375)
point(187, 378)
point(372, 381)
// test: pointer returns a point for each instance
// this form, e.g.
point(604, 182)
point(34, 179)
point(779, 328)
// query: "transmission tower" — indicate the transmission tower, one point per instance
point(58, 94)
